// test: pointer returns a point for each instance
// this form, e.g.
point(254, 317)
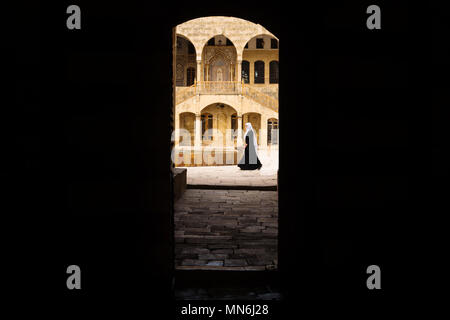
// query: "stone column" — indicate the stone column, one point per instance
point(198, 131)
point(266, 71)
point(239, 128)
point(239, 71)
point(263, 132)
point(251, 71)
point(199, 70)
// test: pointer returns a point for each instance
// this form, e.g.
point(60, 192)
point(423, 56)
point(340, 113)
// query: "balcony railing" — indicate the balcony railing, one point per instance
point(262, 98)
point(226, 87)
point(219, 87)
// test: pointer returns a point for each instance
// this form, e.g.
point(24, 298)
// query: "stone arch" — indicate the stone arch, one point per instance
point(230, 100)
point(196, 47)
point(187, 40)
point(219, 62)
point(185, 62)
point(238, 31)
point(217, 104)
point(221, 120)
point(251, 41)
point(224, 46)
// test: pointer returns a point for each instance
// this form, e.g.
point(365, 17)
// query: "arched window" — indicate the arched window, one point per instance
point(259, 71)
point(272, 131)
point(190, 76)
point(273, 71)
point(246, 71)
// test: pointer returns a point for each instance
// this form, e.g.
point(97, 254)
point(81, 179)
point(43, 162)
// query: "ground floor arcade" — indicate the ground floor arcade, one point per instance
point(220, 125)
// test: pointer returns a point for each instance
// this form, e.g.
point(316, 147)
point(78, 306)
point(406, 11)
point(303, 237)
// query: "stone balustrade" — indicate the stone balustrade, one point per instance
point(226, 87)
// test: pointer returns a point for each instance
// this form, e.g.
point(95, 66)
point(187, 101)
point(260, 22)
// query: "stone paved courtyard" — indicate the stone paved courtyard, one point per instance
point(226, 230)
point(233, 176)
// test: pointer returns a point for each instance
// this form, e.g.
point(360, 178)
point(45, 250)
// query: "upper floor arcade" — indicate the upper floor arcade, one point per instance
point(225, 55)
point(219, 62)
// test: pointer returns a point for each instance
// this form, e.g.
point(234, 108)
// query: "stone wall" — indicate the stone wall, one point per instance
point(239, 31)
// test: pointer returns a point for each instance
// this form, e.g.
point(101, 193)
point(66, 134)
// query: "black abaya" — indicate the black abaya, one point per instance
point(250, 159)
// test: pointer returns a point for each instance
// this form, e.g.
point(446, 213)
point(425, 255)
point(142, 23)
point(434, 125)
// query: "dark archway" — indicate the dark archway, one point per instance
point(259, 72)
point(273, 67)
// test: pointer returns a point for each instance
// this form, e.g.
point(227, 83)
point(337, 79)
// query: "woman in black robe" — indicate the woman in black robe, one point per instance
point(249, 160)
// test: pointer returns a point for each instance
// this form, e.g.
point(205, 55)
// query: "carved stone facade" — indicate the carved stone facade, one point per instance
point(226, 74)
point(219, 63)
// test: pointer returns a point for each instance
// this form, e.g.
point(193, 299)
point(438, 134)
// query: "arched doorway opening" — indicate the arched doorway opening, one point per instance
point(235, 66)
point(219, 59)
point(220, 125)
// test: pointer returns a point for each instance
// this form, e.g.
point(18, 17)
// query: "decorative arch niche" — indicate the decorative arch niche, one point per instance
point(220, 63)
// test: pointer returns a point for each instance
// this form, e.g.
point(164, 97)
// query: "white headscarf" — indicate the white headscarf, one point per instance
point(249, 128)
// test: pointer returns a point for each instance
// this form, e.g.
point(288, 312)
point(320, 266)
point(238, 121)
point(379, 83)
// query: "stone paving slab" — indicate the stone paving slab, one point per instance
point(234, 176)
point(212, 235)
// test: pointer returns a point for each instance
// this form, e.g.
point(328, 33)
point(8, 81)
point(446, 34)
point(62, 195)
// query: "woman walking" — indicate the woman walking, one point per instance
point(250, 159)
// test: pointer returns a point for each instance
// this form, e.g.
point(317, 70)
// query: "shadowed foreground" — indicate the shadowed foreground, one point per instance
point(226, 230)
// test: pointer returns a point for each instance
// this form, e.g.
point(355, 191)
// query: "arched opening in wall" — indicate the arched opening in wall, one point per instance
point(227, 217)
point(185, 61)
point(219, 61)
point(272, 132)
